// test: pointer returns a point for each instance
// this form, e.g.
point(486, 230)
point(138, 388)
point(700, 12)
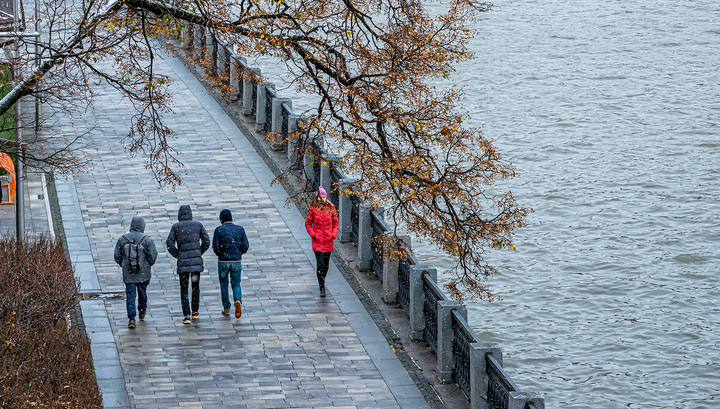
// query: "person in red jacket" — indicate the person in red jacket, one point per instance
point(322, 225)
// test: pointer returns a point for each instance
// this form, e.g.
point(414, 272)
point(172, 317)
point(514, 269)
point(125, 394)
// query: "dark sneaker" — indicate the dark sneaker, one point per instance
point(195, 315)
point(226, 312)
point(238, 310)
point(322, 292)
point(142, 316)
point(131, 324)
point(186, 320)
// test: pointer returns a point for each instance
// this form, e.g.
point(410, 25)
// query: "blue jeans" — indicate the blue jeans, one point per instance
point(130, 289)
point(234, 270)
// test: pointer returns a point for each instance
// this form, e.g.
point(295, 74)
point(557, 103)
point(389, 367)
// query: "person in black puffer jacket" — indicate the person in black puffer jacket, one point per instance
point(187, 242)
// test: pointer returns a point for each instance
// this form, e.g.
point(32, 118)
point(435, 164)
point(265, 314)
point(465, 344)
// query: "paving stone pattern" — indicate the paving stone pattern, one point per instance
point(289, 349)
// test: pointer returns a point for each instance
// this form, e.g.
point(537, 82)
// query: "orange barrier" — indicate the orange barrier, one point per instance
point(7, 164)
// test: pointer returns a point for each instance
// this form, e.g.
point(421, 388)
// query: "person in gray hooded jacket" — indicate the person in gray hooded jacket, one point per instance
point(136, 282)
point(187, 242)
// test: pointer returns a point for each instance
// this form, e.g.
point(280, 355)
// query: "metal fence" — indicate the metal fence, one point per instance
point(270, 95)
point(226, 61)
point(499, 385)
point(354, 219)
point(336, 175)
point(378, 227)
point(463, 336)
point(403, 296)
point(316, 168)
point(213, 54)
point(433, 294)
point(284, 127)
point(253, 111)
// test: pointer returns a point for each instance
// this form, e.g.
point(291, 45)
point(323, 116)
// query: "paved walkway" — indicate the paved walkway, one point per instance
point(289, 349)
point(37, 208)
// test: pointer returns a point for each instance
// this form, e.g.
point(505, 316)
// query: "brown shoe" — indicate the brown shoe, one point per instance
point(195, 315)
point(238, 311)
point(186, 320)
point(226, 312)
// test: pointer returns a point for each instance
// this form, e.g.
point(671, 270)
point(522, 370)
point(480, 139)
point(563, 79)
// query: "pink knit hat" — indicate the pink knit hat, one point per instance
point(320, 191)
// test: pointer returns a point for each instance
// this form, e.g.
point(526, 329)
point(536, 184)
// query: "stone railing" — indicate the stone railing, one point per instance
point(462, 357)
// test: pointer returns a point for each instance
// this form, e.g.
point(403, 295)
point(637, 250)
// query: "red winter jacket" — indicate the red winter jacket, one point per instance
point(322, 226)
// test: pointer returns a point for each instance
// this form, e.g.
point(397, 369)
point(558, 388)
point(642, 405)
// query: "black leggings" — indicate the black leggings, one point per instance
point(323, 263)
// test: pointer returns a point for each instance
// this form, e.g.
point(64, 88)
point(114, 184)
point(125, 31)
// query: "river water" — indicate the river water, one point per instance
point(610, 113)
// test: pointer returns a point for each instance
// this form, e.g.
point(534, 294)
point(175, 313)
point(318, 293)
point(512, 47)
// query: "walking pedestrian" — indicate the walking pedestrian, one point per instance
point(322, 225)
point(229, 243)
point(187, 242)
point(135, 252)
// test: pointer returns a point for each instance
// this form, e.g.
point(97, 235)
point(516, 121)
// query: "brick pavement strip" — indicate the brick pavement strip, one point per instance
point(290, 348)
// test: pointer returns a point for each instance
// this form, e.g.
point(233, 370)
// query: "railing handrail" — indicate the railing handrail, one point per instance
point(464, 326)
point(437, 292)
point(287, 109)
point(336, 173)
point(379, 222)
point(409, 258)
point(494, 366)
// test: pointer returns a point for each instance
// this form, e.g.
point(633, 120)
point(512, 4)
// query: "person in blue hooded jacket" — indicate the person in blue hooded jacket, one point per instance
point(187, 242)
point(229, 243)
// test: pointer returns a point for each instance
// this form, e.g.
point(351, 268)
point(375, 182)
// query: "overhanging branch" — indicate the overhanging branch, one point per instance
point(26, 86)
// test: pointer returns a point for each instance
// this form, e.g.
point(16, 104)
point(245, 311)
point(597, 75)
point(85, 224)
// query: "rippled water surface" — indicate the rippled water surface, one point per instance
point(610, 112)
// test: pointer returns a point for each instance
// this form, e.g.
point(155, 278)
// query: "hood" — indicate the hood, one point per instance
point(184, 213)
point(225, 216)
point(137, 224)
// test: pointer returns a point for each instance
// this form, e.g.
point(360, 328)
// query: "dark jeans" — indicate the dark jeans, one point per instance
point(233, 271)
point(195, 279)
point(323, 263)
point(130, 289)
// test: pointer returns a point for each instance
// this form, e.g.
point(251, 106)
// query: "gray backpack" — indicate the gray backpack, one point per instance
point(134, 255)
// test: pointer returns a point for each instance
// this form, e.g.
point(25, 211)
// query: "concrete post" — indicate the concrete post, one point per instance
point(345, 210)
point(519, 400)
point(478, 372)
point(390, 273)
point(221, 60)
point(417, 300)
point(237, 69)
point(260, 110)
point(276, 121)
point(187, 35)
point(309, 159)
point(365, 236)
point(198, 40)
point(248, 82)
point(211, 46)
point(445, 360)
point(325, 175)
